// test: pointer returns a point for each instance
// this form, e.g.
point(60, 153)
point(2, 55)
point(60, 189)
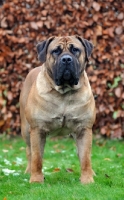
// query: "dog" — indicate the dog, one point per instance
point(58, 95)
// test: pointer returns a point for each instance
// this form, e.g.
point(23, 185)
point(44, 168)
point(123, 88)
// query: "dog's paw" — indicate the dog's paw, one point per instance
point(86, 179)
point(37, 179)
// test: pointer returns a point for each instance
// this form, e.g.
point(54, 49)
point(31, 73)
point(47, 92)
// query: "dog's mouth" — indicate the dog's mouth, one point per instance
point(67, 72)
point(65, 86)
point(67, 79)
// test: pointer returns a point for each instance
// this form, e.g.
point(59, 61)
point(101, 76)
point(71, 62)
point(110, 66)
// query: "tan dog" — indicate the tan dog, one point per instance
point(57, 95)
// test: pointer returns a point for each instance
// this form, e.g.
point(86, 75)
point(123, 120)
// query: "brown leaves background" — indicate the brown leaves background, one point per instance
point(24, 23)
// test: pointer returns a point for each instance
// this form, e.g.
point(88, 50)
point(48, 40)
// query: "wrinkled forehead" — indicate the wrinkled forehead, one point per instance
point(65, 42)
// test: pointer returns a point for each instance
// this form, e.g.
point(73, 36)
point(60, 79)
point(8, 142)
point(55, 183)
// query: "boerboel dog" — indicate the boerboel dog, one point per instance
point(58, 95)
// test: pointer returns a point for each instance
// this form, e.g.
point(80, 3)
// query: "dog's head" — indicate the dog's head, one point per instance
point(65, 58)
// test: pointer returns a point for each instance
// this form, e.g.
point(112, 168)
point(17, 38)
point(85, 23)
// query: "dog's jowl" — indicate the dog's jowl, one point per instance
point(56, 95)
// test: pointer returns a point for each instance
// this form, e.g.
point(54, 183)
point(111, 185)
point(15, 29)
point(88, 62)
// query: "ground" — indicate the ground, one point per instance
point(62, 171)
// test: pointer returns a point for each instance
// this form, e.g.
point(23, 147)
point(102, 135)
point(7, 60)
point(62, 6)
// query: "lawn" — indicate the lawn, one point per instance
point(62, 171)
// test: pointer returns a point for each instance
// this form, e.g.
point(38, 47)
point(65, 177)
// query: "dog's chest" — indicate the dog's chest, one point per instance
point(61, 119)
point(61, 113)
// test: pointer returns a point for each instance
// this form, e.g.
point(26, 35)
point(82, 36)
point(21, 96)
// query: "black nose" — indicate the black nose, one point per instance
point(66, 59)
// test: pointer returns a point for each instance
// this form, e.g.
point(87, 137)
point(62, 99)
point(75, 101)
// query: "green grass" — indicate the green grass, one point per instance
point(60, 184)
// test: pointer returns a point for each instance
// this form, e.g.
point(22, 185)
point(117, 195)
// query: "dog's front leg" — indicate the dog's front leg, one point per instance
point(84, 144)
point(37, 140)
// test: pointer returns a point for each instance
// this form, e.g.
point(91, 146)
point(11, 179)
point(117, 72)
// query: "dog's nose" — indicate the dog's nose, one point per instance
point(66, 59)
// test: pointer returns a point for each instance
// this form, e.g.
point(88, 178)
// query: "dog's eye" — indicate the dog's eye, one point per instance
point(74, 50)
point(56, 51)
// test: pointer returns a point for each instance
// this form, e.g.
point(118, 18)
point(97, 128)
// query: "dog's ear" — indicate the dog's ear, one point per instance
point(42, 49)
point(88, 46)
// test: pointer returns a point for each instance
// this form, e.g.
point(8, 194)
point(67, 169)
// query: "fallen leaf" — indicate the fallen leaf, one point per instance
point(5, 150)
point(40, 24)
point(98, 30)
point(120, 16)
point(4, 198)
point(119, 30)
point(108, 159)
point(1, 122)
point(4, 23)
point(56, 170)
point(119, 155)
point(118, 92)
point(34, 25)
point(69, 170)
point(96, 6)
point(22, 148)
point(103, 130)
point(44, 12)
point(107, 176)
point(9, 95)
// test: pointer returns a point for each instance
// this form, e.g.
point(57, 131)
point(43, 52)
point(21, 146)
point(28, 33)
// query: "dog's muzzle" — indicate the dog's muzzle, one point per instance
point(66, 71)
point(66, 60)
